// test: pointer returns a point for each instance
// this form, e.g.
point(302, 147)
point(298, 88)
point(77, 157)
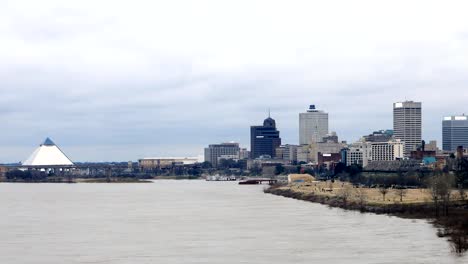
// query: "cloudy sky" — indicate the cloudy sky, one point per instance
point(121, 80)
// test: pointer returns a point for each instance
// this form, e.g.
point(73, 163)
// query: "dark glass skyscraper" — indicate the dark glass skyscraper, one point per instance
point(264, 139)
point(454, 132)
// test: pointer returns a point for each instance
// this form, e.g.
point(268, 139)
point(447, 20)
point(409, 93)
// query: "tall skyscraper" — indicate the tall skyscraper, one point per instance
point(407, 124)
point(214, 152)
point(264, 139)
point(454, 132)
point(313, 126)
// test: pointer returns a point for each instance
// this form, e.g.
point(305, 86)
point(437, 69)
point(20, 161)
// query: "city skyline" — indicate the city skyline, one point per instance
point(201, 154)
point(118, 84)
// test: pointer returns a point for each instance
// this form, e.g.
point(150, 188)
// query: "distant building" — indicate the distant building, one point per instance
point(432, 146)
point(264, 139)
point(379, 136)
point(214, 152)
point(332, 137)
point(287, 152)
point(394, 165)
point(3, 172)
point(303, 153)
point(49, 158)
point(422, 154)
point(359, 153)
point(290, 153)
point(407, 124)
point(164, 162)
point(328, 147)
point(454, 132)
point(328, 159)
point(244, 153)
point(391, 150)
point(47, 155)
point(313, 126)
point(265, 161)
point(279, 152)
point(362, 152)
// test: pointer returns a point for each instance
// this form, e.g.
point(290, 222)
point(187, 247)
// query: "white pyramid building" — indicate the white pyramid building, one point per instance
point(48, 154)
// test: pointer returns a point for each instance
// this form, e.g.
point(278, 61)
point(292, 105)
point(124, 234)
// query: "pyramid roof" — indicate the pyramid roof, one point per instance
point(48, 154)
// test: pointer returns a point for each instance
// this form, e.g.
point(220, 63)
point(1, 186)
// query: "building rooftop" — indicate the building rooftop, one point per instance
point(456, 118)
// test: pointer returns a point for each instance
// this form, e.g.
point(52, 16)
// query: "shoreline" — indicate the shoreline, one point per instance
point(86, 180)
point(453, 227)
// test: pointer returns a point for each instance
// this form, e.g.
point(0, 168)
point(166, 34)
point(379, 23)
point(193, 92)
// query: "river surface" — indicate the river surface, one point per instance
point(199, 222)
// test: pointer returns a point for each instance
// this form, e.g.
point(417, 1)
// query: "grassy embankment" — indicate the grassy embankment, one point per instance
point(451, 221)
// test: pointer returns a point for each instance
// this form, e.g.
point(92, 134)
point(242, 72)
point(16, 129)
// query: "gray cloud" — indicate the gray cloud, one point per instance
point(119, 81)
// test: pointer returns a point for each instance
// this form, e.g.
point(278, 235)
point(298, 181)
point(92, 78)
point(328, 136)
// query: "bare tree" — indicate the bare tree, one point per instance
point(461, 192)
point(433, 190)
point(401, 192)
point(345, 193)
point(440, 187)
point(383, 190)
point(361, 195)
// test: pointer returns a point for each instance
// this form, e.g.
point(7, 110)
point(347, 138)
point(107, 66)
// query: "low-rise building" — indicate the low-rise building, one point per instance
point(303, 153)
point(391, 150)
point(244, 153)
point(358, 153)
point(363, 152)
point(379, 136)
point(214, 151)
point(165, 162)
point(265, 160)
point(3, 172)
point(329, 160)
point(329, 147)
point(432, 146)
point(287, 152)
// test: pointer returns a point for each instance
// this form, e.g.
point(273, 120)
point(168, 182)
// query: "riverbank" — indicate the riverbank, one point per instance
point(110, 180)
point(83, 180)
point(414, 204)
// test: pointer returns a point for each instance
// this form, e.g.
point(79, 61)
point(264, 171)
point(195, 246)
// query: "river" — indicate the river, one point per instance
point(199, 222)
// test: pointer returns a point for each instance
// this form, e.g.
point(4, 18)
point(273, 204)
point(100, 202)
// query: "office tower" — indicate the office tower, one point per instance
point(215, 152)
point(313, 126)
point(407, 124)
point(454, 132)
point(264, 139)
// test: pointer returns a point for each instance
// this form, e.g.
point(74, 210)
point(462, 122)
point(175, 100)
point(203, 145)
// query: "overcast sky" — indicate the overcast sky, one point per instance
point(122, 80)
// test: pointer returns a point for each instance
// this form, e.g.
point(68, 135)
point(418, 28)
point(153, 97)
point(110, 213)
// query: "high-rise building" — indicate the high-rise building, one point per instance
point(454, 132)
point(407, 124)
point(216, 151)
point(264, 139)
point(313, 126)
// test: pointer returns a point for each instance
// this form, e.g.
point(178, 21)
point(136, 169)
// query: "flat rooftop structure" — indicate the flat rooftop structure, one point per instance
point(154, 162)
point(185, 159)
